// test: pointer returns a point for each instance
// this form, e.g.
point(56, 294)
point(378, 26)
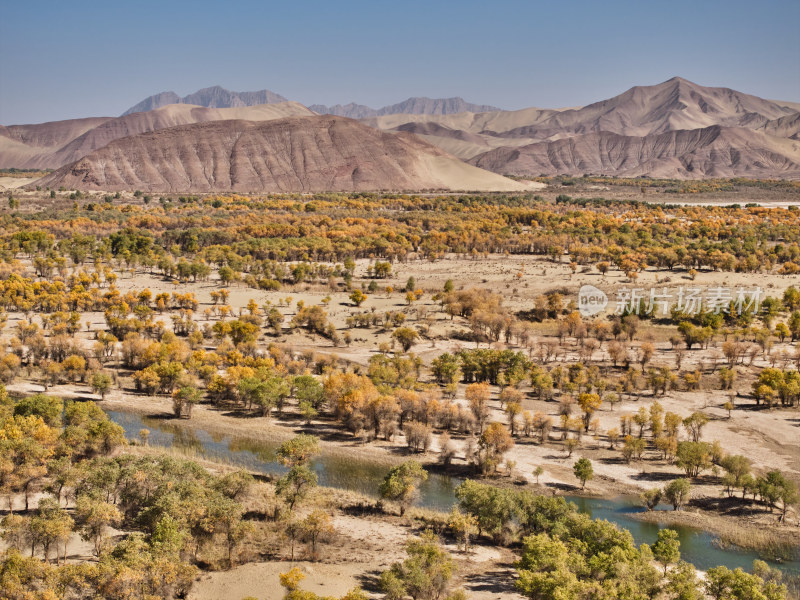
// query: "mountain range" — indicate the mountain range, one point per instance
point(295, 154)
point(412, 106)
point(219, 97)
point(210, 97)
point(675, 129)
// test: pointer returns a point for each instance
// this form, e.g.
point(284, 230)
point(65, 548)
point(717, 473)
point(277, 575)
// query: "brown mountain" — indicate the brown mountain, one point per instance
point(785, 127)
point(299, 154)
point(52, 145)
point(687, 154)
point(673, 105)
point(673, 129)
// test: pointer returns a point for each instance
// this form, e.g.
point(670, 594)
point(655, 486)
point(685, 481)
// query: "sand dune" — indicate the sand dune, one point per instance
point(299, 154)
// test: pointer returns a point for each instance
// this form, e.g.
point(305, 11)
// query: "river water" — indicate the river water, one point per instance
point(697, 546)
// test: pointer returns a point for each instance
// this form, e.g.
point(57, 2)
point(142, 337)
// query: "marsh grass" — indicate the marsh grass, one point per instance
point(764, 542)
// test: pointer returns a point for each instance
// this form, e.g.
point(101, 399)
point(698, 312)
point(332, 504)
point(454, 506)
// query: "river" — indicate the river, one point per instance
point(697, 546)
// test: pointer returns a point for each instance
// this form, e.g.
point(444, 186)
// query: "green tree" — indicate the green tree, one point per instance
point(101, 383)
point(50, 526)
point(650, 498)
point(401, 484)
point(693, 457)
point(682, 583)
point(667, 549)
point(299, 450)
point(95, 517)
point(678, 492)
point(307, 388)
point(723, 584)
point(295, 485)
point(184, 399)
point(583, 471)
point(47, 407)
point(424, 575)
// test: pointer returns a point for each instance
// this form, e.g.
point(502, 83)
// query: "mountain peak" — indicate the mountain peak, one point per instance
point(416, 105)
point(211, 97)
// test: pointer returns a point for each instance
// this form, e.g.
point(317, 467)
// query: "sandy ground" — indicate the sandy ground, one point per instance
point(261, 580)
point(363, 548)
point(11, 183)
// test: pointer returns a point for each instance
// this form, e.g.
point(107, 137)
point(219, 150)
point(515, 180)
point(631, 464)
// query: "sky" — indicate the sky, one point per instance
point(63, 60)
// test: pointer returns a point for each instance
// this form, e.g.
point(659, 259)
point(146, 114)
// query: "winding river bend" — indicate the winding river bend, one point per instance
point(437, 492)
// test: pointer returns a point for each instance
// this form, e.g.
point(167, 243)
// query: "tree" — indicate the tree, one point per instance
point(694, 424)
point(678, 492)
point(478, 395)
point(538, 472)
point(424, 575)
point(401, 484)
point(633, 448)
point(693, 457)
point(493, 507)
point(357, 297)
point(48, 408)
point(299, 450)
point(446, 368)
point(50, 526)
point(774, 486)
point(692, 334)
point(406, 337)
point(101, 383)
point(682, 582)
point(495, 441)
point(646, 351)
point(307, 388)
point(583, 470)
point(667, 549)
point(462, 525)
point(184, 399)
point(295, 485)
point(513, 410)
point(95, 517)
point(738, 470)
point(589, 404)
point(651, 498)
point(723, 584)
point(315, 527)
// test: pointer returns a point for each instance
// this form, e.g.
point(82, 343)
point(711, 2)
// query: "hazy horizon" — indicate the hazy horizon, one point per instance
point(63, 61)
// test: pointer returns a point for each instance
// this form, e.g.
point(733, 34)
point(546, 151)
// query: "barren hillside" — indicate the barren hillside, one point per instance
point(52, 145)
point(688, 154)
point(321, 153)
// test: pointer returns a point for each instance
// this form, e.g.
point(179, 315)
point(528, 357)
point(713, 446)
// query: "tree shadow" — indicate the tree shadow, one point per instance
point(654, 476)
point(497, 581)
point(562, 487)
point(369, 581)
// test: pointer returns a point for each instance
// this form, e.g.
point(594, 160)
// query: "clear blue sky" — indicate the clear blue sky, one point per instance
point(62, 60)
